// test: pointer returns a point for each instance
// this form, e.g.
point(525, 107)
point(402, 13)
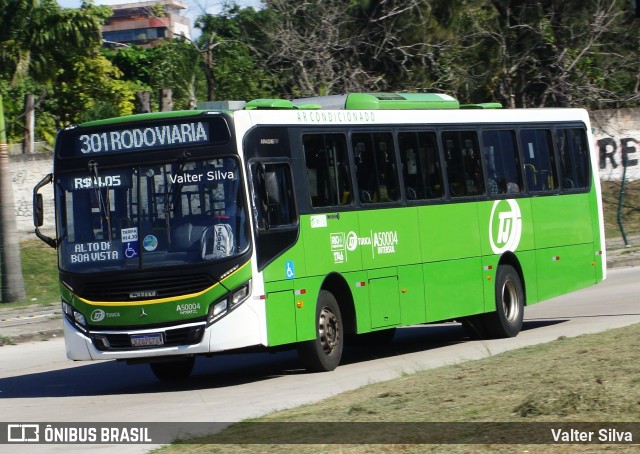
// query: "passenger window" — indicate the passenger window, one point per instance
point(464, 166)
point(421, 167)
point(504, 174)
point(539, 160)
point(327, 169)
point(574, 158)
point(376, 168)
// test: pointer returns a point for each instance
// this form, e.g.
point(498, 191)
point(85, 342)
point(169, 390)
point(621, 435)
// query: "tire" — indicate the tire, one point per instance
point(173, 370)
point(506, 321)
point(323, 353)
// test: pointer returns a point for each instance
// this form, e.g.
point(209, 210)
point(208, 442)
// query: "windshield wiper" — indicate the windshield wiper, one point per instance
point(104, 204)
point(169, 194)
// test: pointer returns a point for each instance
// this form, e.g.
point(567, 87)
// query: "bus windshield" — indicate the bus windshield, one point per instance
point(162, 215)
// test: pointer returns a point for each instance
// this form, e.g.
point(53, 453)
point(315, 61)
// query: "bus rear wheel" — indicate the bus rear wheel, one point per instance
point(323, 353)
point(178, 369)
point(506, 321)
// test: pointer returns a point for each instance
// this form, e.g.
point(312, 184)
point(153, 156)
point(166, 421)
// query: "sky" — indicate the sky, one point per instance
point(194, 9)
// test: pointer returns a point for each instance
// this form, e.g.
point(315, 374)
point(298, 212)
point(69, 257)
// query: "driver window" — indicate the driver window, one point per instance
point(273, 200)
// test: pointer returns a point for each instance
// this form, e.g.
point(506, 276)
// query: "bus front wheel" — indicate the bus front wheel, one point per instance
point(323, 353)
point(506, 321)
point(178, 369)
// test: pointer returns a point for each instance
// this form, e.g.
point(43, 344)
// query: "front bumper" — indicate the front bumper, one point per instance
point(241, 328)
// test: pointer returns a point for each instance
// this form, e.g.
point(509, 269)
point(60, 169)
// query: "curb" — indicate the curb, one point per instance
point(38, 336)
point(30, 324)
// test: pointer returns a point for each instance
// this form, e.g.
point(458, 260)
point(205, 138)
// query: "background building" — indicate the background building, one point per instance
point(146, 23)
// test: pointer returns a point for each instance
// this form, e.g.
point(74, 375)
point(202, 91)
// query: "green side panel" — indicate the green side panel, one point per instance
point(489, 268)
point(289, 265)
point(564, 234)
point(453, 273)
point(564, 269)
point(331, 243)
point(385, 302)
point(447, 232)
point(361, 299)
point(281, 317)
point(306, 296)
point(562, 220)
point(389, 237)
point(454, 288)
point(412, 303)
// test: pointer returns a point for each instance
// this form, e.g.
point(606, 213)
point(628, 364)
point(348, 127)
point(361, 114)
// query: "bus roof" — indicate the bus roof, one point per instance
point(351, 101)
point(387, 105)
point(380, 101)
point(354, 101)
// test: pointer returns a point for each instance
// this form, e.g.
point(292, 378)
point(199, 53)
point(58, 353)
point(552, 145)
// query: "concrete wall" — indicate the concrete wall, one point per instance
point(616, 132)
point(26, 172)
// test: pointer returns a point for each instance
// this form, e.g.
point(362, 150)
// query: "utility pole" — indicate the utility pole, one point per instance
point(11, 270)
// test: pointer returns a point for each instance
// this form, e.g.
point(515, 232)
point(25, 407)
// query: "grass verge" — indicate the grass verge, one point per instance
point(567, 381)
point(40, 274)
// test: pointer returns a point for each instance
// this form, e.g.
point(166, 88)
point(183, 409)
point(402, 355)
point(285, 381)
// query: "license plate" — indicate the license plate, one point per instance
point(146, 340)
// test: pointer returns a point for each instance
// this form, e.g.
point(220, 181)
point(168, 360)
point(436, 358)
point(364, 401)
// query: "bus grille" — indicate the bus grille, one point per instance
point(146, 289)
point(173, 337)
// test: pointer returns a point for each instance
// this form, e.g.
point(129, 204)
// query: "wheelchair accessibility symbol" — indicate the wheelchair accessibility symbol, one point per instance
point(131, 250)
point(289, 270)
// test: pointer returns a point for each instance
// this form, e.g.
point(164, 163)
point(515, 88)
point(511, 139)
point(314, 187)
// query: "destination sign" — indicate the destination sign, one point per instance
point(137, 137)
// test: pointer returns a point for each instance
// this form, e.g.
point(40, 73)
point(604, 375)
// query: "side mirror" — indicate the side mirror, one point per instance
point(38, 211)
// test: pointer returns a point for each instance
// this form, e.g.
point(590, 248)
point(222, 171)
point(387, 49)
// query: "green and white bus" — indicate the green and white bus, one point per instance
point(294, 224)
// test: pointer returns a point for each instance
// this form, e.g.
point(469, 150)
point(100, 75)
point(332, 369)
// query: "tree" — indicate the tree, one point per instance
point(89, 88)
point(11, 265)
point(43, 46)
point(176, 65)
point(173, 64)
point(33, 33)
point(231, 45)
point(331, 47)
point(314, 48)
point(547, 53)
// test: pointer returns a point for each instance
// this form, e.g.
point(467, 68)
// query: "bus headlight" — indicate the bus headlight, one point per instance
point(228, 303)
point(79, 318)
point(217, 310)
point(241, 294)
point(73, 315)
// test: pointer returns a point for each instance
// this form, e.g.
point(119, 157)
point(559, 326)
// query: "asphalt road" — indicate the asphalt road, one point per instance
point(38, 383)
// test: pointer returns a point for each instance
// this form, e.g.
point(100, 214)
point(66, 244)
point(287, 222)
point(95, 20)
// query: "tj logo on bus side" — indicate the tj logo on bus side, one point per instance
point(507, 236)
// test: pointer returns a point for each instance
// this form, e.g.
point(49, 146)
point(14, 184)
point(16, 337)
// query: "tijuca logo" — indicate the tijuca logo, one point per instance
point(505, 226)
